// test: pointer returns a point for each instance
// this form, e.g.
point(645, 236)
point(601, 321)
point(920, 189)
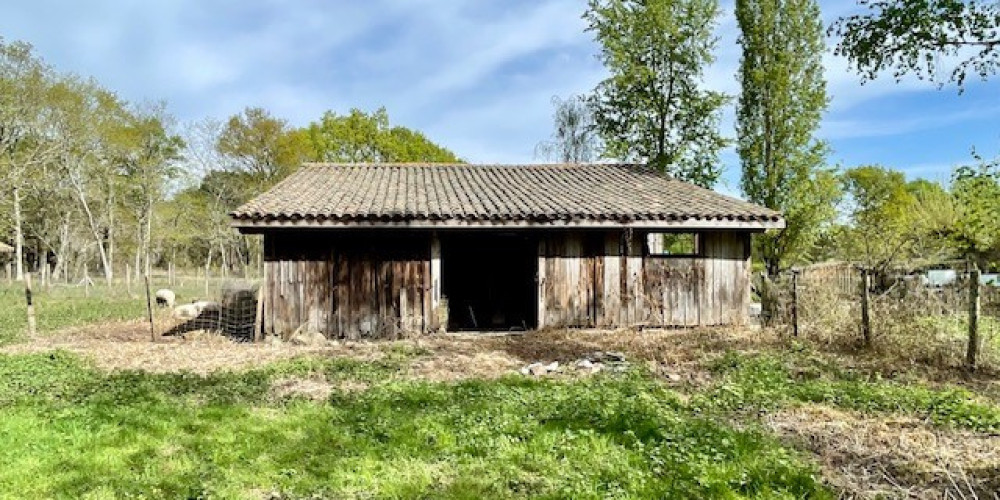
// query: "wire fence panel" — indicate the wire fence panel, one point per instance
point(922, 318)
point(231, 310)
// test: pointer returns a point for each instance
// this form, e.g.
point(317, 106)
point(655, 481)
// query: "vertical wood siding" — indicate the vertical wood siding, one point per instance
point(355, 287)
point(604, 280)
point(349, 288)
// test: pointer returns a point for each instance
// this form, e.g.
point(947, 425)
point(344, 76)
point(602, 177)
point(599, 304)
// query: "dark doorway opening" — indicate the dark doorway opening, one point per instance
point(489, 281)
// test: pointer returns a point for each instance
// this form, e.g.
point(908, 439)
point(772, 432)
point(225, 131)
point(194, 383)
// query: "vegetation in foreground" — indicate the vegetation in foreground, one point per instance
point(68, 429)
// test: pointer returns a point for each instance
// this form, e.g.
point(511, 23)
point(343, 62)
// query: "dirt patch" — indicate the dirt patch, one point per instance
point(455, 359)
point(892, 457)
point(311, 388)
point(127, 346)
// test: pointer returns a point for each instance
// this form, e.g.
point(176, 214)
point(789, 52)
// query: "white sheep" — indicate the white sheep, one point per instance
point(165, 297)
point(195, 309)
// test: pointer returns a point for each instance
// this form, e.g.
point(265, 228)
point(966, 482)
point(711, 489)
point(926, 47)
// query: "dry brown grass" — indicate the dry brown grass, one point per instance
point(892, 457)
point(127, 346)
point(680, 354)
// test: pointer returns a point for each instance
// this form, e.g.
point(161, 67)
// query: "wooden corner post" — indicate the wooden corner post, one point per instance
point(866, 322)
point(972, 349)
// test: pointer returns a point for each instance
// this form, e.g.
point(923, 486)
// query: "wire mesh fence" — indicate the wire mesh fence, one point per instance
point(229, 309)
point(915, 315)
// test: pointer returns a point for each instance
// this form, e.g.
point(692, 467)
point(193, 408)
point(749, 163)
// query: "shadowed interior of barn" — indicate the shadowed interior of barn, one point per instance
point(409, 249)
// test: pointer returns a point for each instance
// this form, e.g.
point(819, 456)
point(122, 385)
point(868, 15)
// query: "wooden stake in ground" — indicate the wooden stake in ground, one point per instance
point(795, 303)
point(258, 322)
point(10, 276)
point(128, 280)
point(866, 321)
point(973, 348)
point(149, 310)
point(32, 330)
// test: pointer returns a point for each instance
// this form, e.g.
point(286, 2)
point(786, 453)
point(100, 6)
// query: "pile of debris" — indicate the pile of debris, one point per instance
point(590, 363)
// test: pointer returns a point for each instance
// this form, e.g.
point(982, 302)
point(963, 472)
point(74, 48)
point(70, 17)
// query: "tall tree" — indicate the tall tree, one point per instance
point(147, 155)
point(363, 137)
point(574, 139)
point(24, 83)
point(913, 37)
point(778, 114)
point(653, 107)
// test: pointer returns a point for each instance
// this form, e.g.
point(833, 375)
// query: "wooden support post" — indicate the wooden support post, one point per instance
point(32, 330)
point(86, 282)
point(795, 303)
point(128, 280)
point(10, 273)
point(437, 323)
point(149, 310)
point(258, 322)
point(206, 279)
point(973, 348)
point(866, 323)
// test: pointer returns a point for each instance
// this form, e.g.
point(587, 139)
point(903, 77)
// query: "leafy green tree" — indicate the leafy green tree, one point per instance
point(359, 137)
point(912, 37)
point(653, 107)
point(976, 192)
point(24, 84)
point(778, 114)
point(147, 154)
point(265, 147)
point(574, 139)
point(894, 222)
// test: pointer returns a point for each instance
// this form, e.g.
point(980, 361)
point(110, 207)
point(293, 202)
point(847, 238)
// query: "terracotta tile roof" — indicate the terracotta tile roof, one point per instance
point(346, 194)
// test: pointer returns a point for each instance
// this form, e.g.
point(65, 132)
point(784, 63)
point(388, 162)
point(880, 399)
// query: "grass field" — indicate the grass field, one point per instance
point(91, 409)
point(63, 306)
point(415, 420)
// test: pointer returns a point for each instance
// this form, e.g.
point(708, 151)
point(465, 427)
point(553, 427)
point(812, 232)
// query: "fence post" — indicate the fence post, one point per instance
point(10, 276)
point(973, 347)
point(128, 280)
point(149, 310)
point(866, 323)
point(32, 329)
point(258, 322)
point(795, 302)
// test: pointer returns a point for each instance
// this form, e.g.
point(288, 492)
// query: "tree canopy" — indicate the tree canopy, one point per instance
point(654, 107)
point(368, 137)
point(923, 38)
point(574, 139)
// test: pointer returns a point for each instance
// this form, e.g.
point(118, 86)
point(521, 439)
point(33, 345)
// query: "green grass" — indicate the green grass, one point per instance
point(69, 431)
point(64, 306)
point(766, 382)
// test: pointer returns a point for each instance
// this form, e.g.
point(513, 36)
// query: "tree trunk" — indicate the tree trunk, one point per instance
point(18, 237)
point(146, 238)
point(96, 231)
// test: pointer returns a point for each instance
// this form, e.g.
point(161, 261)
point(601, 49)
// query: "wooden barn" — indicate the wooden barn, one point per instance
point(385, 250)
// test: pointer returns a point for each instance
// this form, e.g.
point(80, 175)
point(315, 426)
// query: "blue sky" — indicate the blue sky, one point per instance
point(475, 76)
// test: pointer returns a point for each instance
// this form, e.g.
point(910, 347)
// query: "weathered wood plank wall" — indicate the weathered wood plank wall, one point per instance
point(605, 280)
point(353, 287)
point(348, 288)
